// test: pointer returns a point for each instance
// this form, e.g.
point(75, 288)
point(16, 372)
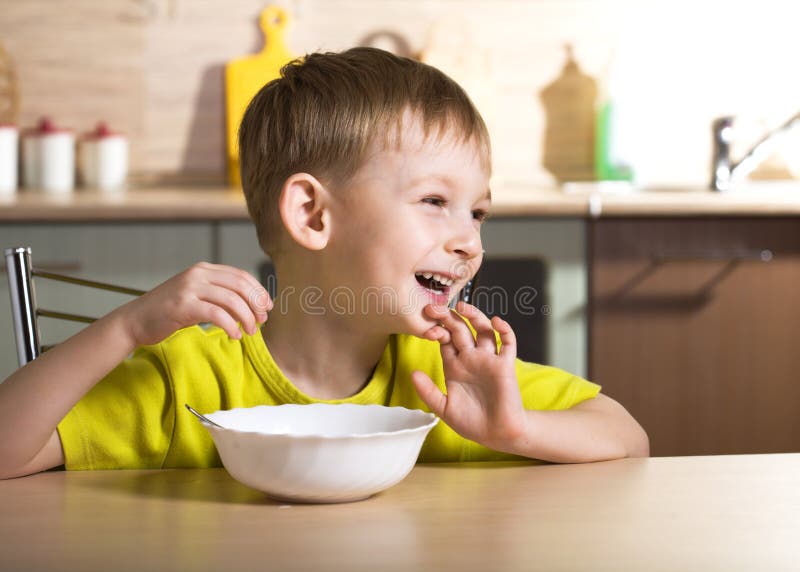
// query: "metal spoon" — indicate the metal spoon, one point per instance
point(203, 418)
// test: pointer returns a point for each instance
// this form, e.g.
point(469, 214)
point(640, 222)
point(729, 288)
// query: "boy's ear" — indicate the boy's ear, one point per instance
point(304, 207)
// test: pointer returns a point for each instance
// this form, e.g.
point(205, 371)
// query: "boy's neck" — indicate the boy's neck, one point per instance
point(324, 358)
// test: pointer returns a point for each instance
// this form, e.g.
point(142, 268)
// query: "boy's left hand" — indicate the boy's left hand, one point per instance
point(483, 401)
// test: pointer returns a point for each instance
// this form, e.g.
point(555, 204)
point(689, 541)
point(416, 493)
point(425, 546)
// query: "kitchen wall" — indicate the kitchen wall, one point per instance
point(153, 68)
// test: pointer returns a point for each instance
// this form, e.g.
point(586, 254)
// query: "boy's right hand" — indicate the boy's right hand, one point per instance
point(223, 295)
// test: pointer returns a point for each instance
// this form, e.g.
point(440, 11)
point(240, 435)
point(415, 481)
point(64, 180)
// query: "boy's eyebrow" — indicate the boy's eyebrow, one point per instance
point(487, 196)
point(447, 180)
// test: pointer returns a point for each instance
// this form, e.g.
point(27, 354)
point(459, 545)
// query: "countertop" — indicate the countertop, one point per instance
point(217, 204)
point(681, 513)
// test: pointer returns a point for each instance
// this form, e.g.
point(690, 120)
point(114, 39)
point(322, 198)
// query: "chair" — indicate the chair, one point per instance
point(25, 313)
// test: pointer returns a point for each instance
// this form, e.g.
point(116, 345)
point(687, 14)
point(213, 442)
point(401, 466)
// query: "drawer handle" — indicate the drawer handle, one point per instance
point(763, 255)
point(731, 259)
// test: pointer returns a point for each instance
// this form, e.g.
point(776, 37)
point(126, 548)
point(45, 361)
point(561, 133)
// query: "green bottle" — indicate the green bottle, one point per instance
point(609, 165)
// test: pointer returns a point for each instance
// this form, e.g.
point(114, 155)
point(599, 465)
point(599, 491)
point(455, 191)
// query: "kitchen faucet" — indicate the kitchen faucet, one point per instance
point(723, 173)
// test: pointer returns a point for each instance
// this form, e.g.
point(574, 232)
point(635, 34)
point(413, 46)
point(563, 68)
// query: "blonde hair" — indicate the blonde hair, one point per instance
point(326, 109)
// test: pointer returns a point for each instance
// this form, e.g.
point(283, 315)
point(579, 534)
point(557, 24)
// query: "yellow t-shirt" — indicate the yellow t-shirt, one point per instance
point(135, 417)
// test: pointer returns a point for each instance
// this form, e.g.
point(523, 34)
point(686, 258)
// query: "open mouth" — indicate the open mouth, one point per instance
point(434, 282)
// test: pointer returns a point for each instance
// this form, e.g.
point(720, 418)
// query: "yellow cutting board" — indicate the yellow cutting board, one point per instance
point(245, 76)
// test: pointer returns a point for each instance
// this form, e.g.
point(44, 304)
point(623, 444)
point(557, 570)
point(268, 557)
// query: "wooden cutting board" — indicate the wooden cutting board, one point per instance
point(569, 104)
point(245, 76)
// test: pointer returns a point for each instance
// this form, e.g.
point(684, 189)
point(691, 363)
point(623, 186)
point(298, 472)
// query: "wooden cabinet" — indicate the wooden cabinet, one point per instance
point(695, 328)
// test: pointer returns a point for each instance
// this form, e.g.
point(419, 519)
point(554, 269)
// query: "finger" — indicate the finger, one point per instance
point(429, 393)
point(508, 339)
point(461, 336)
point(233, 271)
point(245, 284)
point(485, 338)
point(437, 334)
point(232, 302)
point(261, 303)
point(207, 312)
point(441, 335)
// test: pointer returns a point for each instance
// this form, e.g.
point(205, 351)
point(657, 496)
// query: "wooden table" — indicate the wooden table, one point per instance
point(692, 513)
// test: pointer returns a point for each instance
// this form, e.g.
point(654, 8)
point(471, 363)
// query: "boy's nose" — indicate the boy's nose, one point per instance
point(465, 242)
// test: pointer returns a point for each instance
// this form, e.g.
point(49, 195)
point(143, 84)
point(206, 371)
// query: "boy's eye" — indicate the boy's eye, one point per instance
point(480, 215)
point(435, 201)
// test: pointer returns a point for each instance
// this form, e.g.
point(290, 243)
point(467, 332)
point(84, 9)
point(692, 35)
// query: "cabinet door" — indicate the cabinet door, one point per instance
point(139, 255)
point(694, 328)
point(238, 246)
point(558, 244)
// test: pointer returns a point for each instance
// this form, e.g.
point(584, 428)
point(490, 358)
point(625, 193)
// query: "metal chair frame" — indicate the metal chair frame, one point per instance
point(25, 312)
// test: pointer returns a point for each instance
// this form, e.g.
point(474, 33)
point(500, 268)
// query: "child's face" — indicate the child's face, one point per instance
point(409, 212)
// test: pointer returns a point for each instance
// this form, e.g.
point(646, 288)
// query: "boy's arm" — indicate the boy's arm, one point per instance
point(36, 397)
point(597, 429)
point(483, 401)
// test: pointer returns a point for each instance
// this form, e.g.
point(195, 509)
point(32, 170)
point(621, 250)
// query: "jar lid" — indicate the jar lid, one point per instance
point(45, 127)
point(101, 131)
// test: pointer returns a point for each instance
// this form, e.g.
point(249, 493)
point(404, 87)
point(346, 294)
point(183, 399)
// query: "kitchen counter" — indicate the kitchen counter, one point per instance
point(693, 203)
point(163, 204)
point(196, 204)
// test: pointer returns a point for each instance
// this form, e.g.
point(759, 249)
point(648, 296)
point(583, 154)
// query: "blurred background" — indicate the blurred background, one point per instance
point(154, 69)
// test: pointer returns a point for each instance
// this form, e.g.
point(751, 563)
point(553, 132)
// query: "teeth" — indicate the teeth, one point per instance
point(442, 280)
point(438, 277)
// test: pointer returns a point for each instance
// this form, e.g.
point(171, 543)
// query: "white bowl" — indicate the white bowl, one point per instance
point(320, 452)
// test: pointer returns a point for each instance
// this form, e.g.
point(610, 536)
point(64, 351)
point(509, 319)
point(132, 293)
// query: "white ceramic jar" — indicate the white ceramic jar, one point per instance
point(103, 159)
point(9, 142)
point(48, 158)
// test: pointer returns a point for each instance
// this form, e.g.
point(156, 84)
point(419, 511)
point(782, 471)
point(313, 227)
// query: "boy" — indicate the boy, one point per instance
point(367, 178)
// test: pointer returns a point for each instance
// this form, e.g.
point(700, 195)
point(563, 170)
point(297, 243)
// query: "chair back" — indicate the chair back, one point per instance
point(23, 303)
point(24, 310)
